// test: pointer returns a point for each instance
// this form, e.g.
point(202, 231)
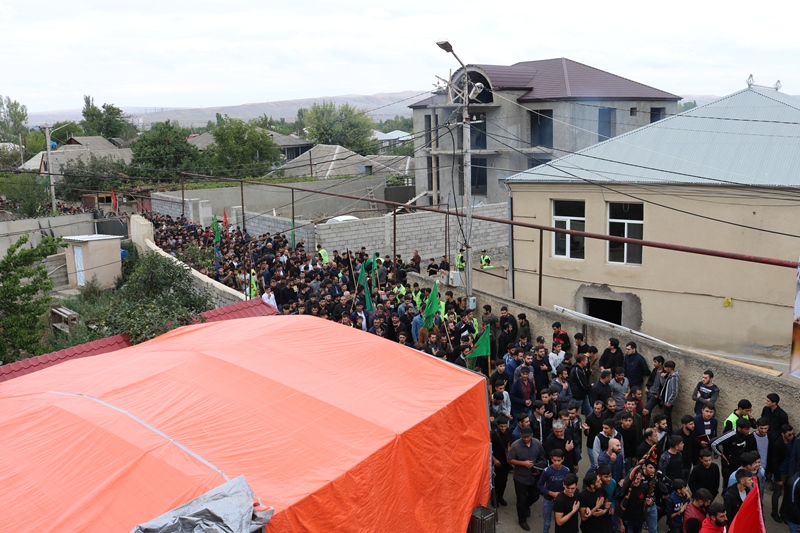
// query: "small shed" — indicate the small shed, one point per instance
point(93, 256)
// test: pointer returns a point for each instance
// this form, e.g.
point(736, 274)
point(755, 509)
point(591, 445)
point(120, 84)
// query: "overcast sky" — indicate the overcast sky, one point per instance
point(198, 54)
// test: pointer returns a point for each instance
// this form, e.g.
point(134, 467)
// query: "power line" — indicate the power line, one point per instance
point(599, 184)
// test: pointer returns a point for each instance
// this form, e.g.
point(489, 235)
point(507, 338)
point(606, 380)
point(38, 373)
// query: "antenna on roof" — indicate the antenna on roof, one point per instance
point(751, 82)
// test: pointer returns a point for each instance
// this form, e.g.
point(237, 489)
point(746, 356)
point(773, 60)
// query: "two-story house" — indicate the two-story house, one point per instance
point(527, 113)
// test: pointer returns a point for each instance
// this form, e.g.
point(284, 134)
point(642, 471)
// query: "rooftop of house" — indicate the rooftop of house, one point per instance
point(746, 138)
point(558, 79)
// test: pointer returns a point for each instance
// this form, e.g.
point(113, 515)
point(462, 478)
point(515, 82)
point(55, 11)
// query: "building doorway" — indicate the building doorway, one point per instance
point(608, 310)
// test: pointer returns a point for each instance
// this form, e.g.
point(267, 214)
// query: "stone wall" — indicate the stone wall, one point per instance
point(420, 231)
point(221, 295)
point(736, 380)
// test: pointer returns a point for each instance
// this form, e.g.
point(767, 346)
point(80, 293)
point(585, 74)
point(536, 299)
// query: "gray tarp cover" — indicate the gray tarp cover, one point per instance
point(225, 509)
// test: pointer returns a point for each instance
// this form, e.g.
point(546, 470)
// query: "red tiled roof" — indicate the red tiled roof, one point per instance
point(32, 364)
point(246, 309)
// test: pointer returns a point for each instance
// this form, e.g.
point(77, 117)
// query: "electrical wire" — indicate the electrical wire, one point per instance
point(690, 213)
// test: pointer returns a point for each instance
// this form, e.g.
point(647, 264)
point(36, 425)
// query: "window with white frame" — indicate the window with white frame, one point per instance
point(571, 215)
point(625, 220)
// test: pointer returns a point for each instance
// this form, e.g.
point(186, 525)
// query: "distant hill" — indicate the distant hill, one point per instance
point(390, 104)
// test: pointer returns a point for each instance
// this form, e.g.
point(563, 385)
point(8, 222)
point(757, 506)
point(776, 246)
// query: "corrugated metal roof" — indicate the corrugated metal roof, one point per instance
point(94, 142)
point(751, 137)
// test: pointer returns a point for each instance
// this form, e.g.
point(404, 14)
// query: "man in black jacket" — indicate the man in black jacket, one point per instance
point(500, 438)
point(579, 383)
point(705, 475)
point(775, 414)
point(731, 446)
point(736, 493)
point(780, 451)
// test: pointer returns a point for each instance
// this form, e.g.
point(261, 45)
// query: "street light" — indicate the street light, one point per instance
point(447, 47)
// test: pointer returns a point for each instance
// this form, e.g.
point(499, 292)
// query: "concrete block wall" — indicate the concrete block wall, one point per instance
point(196, 209)
point(736, 381)
point(221, 295)
point(140, 229)
point(263, 198)
point(422, 231)
point(56, 266)
point(61, 226)
point(259, 224)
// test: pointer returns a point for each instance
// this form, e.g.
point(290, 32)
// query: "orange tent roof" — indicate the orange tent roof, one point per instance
point(335, 428)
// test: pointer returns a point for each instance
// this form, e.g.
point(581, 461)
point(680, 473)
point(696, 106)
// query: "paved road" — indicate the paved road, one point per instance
point(508, 515)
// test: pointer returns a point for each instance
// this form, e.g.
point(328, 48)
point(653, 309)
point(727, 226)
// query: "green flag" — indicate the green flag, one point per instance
point(362, 280)
point(253, 283)
point(482, 347)
point(215, 223)
point(431, 306)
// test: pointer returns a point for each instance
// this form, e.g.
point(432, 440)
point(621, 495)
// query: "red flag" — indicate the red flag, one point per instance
point(113, 201)
point(749, 518)
point(224, 218)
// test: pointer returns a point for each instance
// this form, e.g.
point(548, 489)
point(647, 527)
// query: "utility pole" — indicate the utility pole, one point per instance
point(466, 146)
point(50, 169)
point(467, 141)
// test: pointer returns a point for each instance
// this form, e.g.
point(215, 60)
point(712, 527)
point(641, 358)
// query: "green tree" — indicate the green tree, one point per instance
point(163, 152)
point(686, 106)
point(272, 124)
point(35, 142)
point(92, 122)
point(110, 121)
point(13, 120)
point(343, 125)
point(405, 124)
point(24, 284)
point(31, 193)
point(99, 174)
point(159, 296)
point(241, 149)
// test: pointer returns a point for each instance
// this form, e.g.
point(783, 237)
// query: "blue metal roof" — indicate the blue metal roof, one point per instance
point(751, 137)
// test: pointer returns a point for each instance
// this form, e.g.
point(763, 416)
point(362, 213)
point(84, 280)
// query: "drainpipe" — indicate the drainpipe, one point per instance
point(506, 188)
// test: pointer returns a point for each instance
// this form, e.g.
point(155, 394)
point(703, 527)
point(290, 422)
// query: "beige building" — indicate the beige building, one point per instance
point(723, 176)
point(93, 256)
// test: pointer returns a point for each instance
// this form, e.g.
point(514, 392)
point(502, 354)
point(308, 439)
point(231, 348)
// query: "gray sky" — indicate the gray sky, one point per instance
point(198, 54)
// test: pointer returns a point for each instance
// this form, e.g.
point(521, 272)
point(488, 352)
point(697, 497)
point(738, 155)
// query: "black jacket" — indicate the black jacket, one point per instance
point(579, 383)
point(732, 501)
point(705, 478)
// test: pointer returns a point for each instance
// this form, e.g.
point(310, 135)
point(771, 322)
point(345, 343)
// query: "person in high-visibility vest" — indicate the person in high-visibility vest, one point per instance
point(485, 259)
point(487, 263)
point(323, 254)
point(461, 263)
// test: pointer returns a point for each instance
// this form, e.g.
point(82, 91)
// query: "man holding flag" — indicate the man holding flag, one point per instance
point(482, 348)
point(746, 510)
point(215, 224)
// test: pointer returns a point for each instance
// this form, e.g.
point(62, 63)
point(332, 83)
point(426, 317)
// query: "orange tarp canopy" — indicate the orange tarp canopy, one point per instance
point(335, 428)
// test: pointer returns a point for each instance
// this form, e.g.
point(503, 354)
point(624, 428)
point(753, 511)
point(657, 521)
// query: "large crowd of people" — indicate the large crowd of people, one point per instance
point(554, 398)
